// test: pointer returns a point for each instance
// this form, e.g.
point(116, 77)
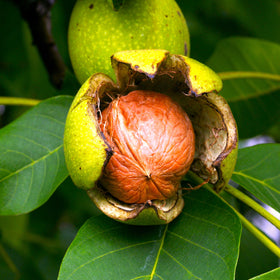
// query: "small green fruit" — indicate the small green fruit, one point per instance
point(96, 31)
point(190, 84)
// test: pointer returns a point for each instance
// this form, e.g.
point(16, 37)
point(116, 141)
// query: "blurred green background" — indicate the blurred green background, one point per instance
point(34, 244)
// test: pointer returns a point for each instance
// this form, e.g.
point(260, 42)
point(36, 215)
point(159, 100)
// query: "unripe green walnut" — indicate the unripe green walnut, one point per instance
point(96, 32)
point(88, 150)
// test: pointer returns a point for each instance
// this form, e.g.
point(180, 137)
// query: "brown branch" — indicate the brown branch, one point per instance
point(38, 16)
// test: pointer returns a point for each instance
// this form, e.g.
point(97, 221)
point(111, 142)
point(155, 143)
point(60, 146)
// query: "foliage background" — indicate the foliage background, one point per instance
point(36, 242)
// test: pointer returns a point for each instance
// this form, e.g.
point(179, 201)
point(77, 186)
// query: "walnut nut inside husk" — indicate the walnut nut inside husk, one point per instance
point(153, 146)
point(186, 82)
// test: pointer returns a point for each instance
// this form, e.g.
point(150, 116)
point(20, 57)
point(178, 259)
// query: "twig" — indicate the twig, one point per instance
point(38, 17)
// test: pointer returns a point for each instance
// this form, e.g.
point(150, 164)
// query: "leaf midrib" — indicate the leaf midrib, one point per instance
point(158, 253)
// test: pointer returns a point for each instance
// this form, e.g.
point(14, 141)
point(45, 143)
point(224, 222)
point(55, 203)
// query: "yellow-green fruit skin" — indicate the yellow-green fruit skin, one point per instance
point(96, 32)
point(84, 148)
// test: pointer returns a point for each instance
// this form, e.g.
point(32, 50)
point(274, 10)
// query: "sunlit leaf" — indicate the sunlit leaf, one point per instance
point(31, 156)
point(202, 243)
point(254, 102)
point(271, 275)
point(257, 170)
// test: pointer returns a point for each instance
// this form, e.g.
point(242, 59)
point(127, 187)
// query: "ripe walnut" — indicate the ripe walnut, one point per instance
point(153, 145)
point(149, 135)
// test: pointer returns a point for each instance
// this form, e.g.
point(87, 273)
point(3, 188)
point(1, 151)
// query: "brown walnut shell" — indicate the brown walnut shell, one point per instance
point(153, 145)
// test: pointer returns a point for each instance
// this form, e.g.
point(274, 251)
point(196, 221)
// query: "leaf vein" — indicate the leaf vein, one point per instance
point(201, 247)
point(211, 223)
point(175, 260)
point(40, 130)
point(109, 253)
point(28, 140)
point(48, 117)
point(212, 206)
point(257, 163)
point(240, 173)
point(159, 251)
point(31, 164)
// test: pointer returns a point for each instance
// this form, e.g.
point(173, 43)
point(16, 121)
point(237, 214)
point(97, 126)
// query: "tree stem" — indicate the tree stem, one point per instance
point(37, 14)
point(17, 101)
point(253, 204)
point(247, 74)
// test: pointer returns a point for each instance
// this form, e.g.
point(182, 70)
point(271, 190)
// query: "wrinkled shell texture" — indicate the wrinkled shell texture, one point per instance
point(153, 145)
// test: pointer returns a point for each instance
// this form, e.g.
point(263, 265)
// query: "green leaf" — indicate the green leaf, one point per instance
point(254, 102)
point(257, 170)
point(31, 156)
point(254, 257)
point(251, 17)
point(202, 243)
point(271, 275)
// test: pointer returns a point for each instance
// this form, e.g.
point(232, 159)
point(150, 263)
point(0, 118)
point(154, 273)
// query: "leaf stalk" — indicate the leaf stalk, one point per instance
point(248, 74)
point(249, 226)
point(18, 101)
point(259, 235)
point(253, 204)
